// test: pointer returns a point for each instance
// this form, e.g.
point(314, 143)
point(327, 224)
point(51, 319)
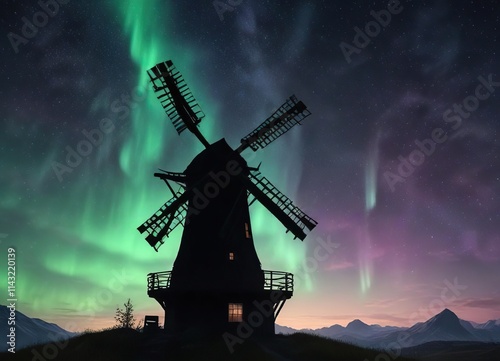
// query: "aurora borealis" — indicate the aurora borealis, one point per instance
point(79, 254)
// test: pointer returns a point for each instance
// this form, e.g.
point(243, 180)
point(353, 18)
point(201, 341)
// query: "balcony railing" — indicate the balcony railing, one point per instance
point(159, 280)
point(277, 280)
point(273, 281)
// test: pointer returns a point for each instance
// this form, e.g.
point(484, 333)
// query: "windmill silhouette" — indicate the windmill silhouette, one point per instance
point(217, 282)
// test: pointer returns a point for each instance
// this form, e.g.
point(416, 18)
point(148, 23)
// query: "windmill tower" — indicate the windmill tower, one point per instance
point(217, 281)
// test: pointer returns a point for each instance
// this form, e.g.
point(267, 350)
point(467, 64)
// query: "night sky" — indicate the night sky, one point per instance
point(398, 162)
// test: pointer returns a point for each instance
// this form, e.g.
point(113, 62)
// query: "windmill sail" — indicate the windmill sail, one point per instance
point(176, 98)
point(165, 220)
point(294, 219)
point(291, 113)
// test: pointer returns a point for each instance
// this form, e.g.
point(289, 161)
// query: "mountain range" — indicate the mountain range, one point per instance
point(445, 326)
point(30, 331)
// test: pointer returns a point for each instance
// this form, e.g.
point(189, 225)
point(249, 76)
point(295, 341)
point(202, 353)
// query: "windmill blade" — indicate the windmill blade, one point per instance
point(176, 99)
point(176, 177)
point(279, 205)
point(165, 220)
point(292, 112)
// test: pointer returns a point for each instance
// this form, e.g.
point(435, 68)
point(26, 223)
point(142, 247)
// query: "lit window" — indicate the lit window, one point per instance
point(247, 230)
point(231, 256)
point(235, 312)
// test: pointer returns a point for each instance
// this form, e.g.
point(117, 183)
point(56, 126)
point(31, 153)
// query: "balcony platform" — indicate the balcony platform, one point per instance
point(277, 284)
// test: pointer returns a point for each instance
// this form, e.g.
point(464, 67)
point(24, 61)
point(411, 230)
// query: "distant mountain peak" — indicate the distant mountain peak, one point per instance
point(445, 326)
point(445, 318)
point(357, 326)
point(356, 322)
point(447, 311)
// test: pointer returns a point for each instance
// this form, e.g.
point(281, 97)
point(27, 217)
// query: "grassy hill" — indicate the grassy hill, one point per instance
point(131, 345)
point(455, 351)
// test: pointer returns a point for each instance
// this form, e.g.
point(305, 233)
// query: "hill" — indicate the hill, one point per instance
point(124, 345)
point(454, 350)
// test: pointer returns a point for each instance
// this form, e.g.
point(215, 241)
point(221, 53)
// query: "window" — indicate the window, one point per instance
point(231, 256)
point(247, 230)
point(235, 312)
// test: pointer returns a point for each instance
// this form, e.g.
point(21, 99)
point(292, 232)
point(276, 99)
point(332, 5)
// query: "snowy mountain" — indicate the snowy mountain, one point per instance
point(488, 331)
point(30, 331)
point(490, 325)
point(445, 326)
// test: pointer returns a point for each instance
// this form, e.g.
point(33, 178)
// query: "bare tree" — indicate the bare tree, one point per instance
point(125, 317)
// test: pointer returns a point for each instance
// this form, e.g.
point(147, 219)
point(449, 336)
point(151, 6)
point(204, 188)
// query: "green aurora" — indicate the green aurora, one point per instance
point(97, 238)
